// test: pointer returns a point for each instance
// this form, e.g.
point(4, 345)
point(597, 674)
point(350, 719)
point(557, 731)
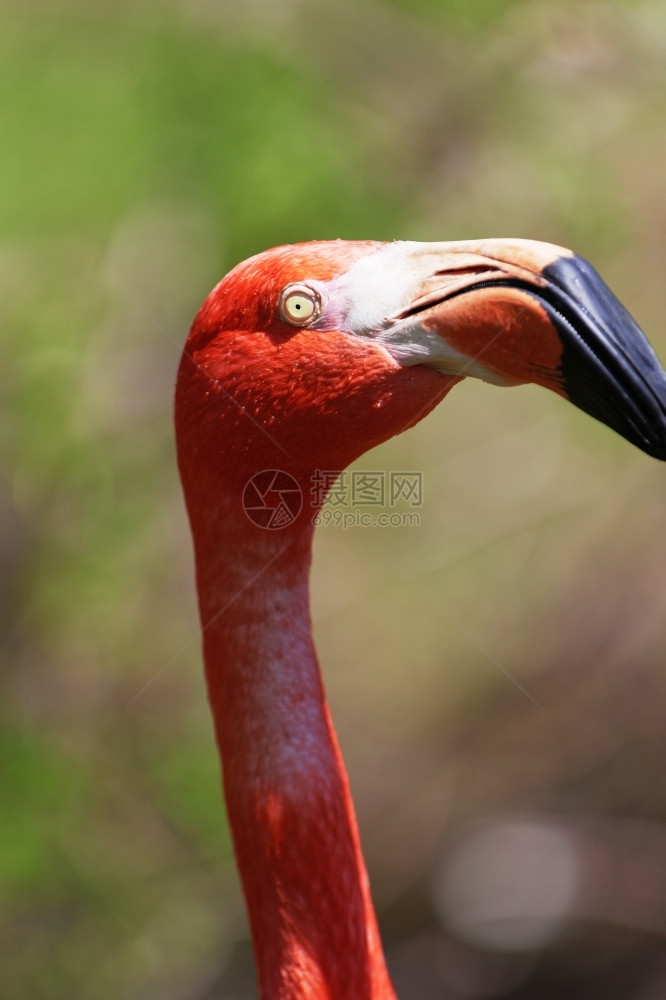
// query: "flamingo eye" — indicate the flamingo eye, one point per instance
point(299, 305)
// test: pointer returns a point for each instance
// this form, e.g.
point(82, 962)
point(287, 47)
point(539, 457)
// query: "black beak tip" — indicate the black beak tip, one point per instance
point(653, 444)
point(608, 367)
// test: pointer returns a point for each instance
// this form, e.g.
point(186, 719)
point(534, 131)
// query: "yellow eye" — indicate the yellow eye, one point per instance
point(299, 305)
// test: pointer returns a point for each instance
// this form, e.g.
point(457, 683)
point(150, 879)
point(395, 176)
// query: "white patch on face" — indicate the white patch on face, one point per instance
point(378, 287)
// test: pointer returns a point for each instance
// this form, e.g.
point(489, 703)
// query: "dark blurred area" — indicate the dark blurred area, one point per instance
point(503, 721)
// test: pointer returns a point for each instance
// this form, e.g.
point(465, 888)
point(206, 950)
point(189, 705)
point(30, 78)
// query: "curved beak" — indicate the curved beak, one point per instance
point(515, 311)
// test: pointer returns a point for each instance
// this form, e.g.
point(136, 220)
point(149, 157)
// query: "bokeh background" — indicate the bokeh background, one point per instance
point(516, 850)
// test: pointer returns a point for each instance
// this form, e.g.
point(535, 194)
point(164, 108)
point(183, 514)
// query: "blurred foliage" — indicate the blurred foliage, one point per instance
point(149, 146)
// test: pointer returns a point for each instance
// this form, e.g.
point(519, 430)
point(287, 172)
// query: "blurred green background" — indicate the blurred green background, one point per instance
point(515, 850)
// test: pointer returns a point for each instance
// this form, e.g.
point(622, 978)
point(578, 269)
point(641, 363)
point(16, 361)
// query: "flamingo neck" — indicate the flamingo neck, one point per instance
point(292, 819)
point(247, 403)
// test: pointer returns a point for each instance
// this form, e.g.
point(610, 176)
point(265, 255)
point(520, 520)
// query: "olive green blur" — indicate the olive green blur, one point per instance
point(502, 662)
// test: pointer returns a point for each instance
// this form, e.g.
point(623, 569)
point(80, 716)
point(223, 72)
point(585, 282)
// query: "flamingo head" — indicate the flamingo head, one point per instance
point(311, 354)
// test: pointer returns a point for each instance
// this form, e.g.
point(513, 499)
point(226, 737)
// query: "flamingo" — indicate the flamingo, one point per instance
point(302, 358)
